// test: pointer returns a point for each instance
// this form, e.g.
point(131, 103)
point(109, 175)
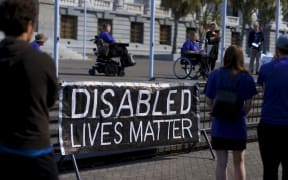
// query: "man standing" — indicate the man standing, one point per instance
point(255, 42)
point(40, 39)
point(273, 126)
point(213, 39)
point(28, 89)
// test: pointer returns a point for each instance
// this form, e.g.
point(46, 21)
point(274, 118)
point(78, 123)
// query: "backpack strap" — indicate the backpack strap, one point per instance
point(223, 85)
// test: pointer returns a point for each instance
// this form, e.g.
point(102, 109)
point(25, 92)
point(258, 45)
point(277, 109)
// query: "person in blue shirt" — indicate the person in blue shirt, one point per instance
point(191, 47)
point(228, 135)
point(106, 34)
point(116, 49)
point(39, 41)
point(273, 126)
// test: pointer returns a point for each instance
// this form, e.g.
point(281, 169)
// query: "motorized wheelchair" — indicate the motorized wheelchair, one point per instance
point(104, 63)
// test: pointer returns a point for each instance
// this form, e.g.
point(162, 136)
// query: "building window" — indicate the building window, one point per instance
point(136, 32)
point(68, 27)
point(165, 34)
point(189, 30)
point(101, 22)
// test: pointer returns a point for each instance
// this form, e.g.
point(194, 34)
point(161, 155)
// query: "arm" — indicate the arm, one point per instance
point(52, 93)
point(191, 52)
point(262, 38)
point(191, 48)
point(108, 38)
point(250, 39)
point(213, 37)
point(247, 106)
point(209, 102)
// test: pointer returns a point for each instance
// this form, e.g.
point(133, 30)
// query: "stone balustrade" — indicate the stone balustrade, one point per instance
point(90, 4)
point(160, 12)
point(134, 8)
point(232, 21)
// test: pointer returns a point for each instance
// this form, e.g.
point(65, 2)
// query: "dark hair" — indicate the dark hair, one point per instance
point(234, 59)
point(282, 51)
point(191, 34)
point(104, 26)
point(15, 16)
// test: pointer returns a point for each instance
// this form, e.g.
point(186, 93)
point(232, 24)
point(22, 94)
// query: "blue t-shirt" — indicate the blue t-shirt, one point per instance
point(245, 88)
point(107, 37)
point(189, 45)
point(275, 102)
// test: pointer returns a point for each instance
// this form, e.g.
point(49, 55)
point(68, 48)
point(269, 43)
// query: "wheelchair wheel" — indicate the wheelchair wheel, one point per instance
point(91, 72)
point(196, 71)
point(110, 70)
point(182, 68)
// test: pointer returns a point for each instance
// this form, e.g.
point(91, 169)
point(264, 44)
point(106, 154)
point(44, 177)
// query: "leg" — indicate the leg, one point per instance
point(284, 152)
point(258, 55)
point(221, 167)
point(269, 151)
point(117, 51)
point(285, 167)
point(125, 57)
point(212, 63)
point(252, 59)
point(239, 165)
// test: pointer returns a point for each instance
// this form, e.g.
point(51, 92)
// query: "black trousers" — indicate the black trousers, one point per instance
point(19, 167)
point(119, 51)
point(274, 150)
point(212, 63)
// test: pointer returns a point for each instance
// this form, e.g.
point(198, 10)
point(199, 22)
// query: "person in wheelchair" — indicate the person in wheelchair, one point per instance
point(116, 49)
point(191, 48)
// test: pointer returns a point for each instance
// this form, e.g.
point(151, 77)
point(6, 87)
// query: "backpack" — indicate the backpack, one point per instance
point(227, 103)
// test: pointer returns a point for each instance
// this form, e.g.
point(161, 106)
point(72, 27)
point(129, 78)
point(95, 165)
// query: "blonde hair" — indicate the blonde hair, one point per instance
point(256, 24)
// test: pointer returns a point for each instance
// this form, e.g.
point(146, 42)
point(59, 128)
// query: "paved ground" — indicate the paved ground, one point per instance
point(196, 165)
point(77, 70)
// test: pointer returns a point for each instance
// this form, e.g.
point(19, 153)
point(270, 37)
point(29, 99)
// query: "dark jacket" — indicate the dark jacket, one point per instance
point(28, 88)
point(259, 38)
point(214, 51)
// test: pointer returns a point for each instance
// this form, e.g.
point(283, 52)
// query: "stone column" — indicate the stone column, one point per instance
point(147, 6)
point(119, 4)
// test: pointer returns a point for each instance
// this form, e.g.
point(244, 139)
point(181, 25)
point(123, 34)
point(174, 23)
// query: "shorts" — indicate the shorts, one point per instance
point(228, 144)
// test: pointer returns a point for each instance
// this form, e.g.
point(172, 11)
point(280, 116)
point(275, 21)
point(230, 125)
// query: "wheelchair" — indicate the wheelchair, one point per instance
point(194, 67)
point(105, 64)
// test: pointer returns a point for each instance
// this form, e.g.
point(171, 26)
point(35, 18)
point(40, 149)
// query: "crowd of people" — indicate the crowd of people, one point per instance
point(25, 147)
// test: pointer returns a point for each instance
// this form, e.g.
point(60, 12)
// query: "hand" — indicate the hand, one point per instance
point(275, 57)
